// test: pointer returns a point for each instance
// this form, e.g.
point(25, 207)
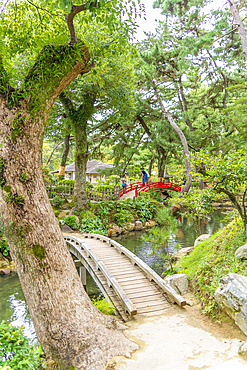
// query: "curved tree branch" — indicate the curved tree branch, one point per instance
point(75, 9)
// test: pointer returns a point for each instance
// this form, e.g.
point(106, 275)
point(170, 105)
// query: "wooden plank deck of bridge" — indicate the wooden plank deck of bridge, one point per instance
point(145, 295)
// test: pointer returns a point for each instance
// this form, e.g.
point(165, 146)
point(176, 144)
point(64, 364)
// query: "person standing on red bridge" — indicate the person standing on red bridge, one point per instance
point(144, 176)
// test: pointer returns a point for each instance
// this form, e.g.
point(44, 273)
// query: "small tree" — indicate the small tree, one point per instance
point(228, 175)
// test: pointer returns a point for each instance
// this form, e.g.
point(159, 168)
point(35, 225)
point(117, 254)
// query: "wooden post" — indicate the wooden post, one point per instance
point(136, 192)
point(83, 276)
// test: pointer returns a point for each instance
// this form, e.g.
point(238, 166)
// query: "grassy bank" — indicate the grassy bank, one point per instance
point(211, 260)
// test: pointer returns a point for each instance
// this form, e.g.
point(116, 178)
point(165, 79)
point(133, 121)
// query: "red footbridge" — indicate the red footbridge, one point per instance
point(155, 186)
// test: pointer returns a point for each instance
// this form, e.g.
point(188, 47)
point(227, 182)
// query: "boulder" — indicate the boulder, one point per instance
point(201, 238)
point(3, 263)
point(241, 252)
point(182, 252)
point(66, 229)
point(243, 349)
point(231, 296)
point(150, 223)
point(4, 271)
point(179, 282)
point(138, 225)
point(175, 208)
point(129, 227)
point(114, 230)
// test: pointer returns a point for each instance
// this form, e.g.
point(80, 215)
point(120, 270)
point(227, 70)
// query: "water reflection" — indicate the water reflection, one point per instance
point(13, 307)
point(185, 237)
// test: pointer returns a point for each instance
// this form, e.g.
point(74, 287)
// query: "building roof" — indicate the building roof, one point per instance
point(92, 167)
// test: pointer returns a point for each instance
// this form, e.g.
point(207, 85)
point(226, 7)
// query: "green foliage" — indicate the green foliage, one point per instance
point(92, 224)
point(2, 180)
point(15, 350)
point(225, 174)
point(71, 221)
point(67, 182)
point(4, 248)
point(57, 202)
point(123, 217)
point(17, 126)
point(23, 177)
point(104, 306)
point(211, 260)
point(13, 198)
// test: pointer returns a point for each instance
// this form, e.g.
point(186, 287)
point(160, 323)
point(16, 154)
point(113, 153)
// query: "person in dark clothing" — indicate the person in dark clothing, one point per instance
point(144, 176)
point(124, 184)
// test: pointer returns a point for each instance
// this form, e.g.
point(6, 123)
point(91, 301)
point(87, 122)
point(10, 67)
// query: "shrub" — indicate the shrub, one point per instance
point(56, 213)
point(103, 306)
point(67, 182)
point(123, 217)
point(93, 225)
point(57, 202)
point(15, 350)
point(71, 221)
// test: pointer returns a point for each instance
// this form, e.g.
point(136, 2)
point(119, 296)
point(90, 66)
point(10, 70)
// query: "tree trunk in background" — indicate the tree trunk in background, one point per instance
point(70, 329)
point(64, 155)
point(183, 141)
point(161, 164)
point(81, 158)
point(240, 25)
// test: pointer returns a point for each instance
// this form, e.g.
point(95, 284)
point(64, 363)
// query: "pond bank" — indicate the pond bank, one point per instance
point(181, 339)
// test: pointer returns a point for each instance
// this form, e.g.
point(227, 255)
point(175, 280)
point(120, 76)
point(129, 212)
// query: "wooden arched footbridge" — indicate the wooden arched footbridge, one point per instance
point(123, 278)
point(137, 187)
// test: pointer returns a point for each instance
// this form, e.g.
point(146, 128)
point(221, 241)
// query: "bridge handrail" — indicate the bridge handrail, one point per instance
point(111, 281)
point(157, 185)
point(152, 275)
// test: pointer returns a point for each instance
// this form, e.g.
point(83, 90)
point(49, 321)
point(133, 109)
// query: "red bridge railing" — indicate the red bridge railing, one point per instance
point(138, 186)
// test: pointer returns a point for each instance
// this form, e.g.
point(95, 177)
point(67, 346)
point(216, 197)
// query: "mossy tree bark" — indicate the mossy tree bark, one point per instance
point(79, 118)
point(70, 329)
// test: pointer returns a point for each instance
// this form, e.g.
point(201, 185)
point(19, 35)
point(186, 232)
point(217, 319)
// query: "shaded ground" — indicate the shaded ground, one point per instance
point(182, 339)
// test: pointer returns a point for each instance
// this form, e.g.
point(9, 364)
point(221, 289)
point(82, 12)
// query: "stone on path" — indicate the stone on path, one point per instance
point(179, 282)
point(201, 239)
point(231, 296)
point(241, 252)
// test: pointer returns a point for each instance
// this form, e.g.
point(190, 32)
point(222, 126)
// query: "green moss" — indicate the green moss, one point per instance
point(52, 64)
point(7, 189)
point(211, 260)
point(17, 126)
point(38, 251)
point(2, 179)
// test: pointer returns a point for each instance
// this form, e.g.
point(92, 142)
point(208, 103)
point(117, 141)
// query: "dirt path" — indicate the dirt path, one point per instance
point(182, 339)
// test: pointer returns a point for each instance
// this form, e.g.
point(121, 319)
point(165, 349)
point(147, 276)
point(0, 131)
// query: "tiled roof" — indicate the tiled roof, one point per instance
point(92, 167)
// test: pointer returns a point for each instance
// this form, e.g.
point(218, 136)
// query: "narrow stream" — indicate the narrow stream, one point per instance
point(13, 307)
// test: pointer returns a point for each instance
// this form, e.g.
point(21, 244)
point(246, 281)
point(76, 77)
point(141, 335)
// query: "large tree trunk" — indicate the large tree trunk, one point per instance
point(183, 141)
point(70, 329)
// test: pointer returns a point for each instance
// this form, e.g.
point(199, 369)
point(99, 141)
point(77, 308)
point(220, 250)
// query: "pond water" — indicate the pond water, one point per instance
point(13, 307)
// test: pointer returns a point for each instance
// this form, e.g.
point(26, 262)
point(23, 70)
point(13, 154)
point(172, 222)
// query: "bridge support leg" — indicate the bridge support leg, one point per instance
point(83, 276)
